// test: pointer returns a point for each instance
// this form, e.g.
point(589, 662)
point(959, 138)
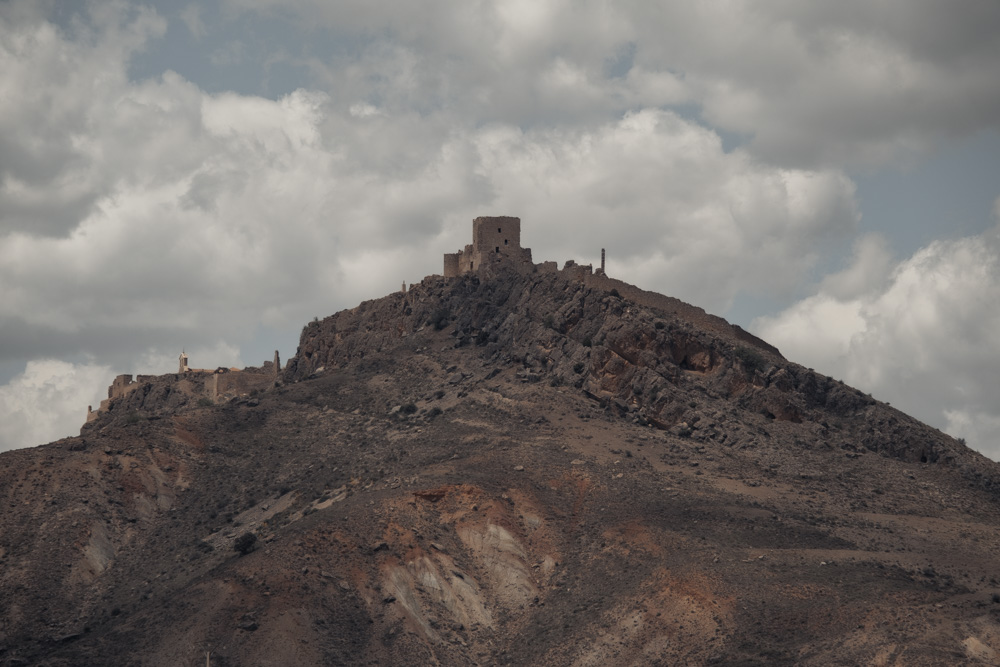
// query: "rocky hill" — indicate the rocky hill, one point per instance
point(507, 468)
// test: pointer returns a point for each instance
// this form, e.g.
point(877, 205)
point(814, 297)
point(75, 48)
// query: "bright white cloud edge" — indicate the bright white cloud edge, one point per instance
point(921, 333)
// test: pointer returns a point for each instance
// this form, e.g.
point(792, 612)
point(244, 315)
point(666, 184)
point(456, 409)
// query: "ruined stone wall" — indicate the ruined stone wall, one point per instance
point(121, 385)
point(578, 272)
point(177, 389)
point(495, 239)
point(451, 264)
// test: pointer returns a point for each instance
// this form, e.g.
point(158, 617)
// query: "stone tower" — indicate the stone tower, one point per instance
point(495, 239)
point(183, 362)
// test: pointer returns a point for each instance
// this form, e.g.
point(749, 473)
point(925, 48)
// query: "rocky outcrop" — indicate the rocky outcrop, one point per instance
point(524, 469)
point(633, 359)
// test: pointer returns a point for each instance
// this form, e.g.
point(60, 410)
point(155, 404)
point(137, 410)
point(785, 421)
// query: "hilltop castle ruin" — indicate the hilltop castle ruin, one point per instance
point(496, 245)
point(489, 247)
point(209, 384)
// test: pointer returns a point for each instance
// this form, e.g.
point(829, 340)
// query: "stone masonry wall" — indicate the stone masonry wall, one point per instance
point(494, 239)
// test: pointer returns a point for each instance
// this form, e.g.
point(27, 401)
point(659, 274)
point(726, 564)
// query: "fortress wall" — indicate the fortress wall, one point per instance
point(467, 260)
point(496, 234)
point(451, 264)
point(121, 385)
point(193, 383)
point(578, 272)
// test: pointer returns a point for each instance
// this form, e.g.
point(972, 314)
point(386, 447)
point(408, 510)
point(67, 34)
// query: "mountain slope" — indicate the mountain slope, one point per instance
point(512, 469)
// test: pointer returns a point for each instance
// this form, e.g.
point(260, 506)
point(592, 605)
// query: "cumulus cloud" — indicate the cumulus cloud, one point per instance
point(216, 213)
point(140, 216)
point(48, 401)
point(676, 212)
point(922, 335)
point(811, 85)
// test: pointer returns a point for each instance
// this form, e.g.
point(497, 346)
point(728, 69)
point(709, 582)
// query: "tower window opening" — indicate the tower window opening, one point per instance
point(497, 249)
point(498, 230)
point(505, 241)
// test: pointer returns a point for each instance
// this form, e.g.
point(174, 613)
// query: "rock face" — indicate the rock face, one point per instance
point(519, 469)
point(634, 360)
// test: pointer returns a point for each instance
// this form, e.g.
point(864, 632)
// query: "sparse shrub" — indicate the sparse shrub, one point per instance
point(434, 412)
point(587, 342)
point(578, 367)
point(549, 321)
point(685, 432)
point(440, 318)
point(204, 402)
point(245, 543)
point(752, 360)
point(408, 409)
point(439, 393)
point(615, 293)
point(659, 324)
point(133, 418)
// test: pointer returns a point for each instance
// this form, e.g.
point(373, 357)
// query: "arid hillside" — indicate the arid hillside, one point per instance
point(510, 468)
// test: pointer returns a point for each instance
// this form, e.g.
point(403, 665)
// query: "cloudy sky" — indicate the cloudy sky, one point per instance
point(211, 176)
